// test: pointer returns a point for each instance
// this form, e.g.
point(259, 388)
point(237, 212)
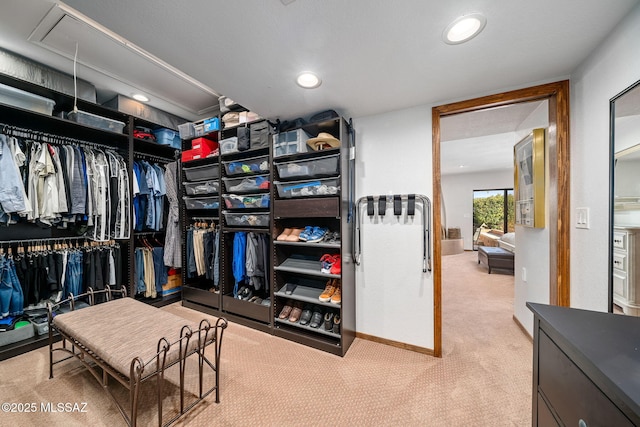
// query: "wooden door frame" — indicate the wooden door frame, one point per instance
point(559, 213)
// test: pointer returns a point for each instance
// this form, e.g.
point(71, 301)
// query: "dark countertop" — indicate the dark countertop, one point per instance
point(605, 346)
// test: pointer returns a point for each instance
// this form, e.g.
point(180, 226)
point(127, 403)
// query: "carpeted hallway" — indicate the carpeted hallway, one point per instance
point(483, 379)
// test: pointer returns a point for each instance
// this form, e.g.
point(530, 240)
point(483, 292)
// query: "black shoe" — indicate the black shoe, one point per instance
point(316, 319)
point(289, 288)
point(246, 294)
point(328, 321)
point(305, 318)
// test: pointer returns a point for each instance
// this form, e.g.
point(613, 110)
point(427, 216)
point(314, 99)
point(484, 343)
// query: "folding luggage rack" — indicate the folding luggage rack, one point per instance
point(381, 202)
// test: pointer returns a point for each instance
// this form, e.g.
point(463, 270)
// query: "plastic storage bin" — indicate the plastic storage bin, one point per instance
point(211, 186)
point(246, 219)
point(246, 201)
point(200, 173)
point(258, 164)
point(259, 135)
point(211, 202)
point(309, 188)
point(247, 184)
point(187, 130)
point(95, 121)
point(290, 142)
point(229, 145)
point(311, 168)
point(169, 137)
point(29, 101)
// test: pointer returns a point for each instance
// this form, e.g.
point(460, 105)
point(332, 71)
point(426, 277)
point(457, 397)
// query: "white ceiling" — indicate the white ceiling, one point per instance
point(373, 56)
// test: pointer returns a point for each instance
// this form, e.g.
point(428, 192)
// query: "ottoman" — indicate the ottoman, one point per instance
point(495, 258)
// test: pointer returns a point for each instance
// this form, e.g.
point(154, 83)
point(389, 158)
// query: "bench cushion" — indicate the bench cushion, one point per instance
point(495, 252)
point(117, 331)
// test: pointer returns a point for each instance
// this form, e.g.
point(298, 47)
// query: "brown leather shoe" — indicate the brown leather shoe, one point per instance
point(284, 234)
point(336, 298)
point(295, 312)
point(286, 311)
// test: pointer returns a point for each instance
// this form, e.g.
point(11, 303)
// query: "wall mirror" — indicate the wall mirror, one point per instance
point(624, 253)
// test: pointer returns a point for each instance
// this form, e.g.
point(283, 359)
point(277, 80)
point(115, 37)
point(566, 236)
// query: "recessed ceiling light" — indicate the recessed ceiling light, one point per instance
point(140, 97)
point(464, 28)
point(308, 80)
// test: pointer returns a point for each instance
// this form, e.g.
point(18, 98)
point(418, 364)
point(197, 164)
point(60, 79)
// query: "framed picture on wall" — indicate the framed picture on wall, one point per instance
point(528, 157)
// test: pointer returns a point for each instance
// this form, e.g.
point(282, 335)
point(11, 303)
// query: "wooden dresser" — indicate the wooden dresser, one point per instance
point(586, 368)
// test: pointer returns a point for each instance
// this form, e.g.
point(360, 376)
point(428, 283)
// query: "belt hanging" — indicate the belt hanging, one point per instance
point(370, 207)
point(382, 205)
point(397, 205)
point(411, 204)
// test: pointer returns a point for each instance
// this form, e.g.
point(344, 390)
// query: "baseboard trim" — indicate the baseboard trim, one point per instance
point(522, 328)
point(393, 343)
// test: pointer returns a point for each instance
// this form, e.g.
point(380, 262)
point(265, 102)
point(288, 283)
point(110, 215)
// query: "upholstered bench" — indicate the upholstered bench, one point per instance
point(132, 342)
point(496, 258)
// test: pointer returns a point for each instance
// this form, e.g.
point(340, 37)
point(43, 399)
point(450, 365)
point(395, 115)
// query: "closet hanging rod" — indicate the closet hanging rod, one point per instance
point(147, 233)
point(44, 239)
point(206, 218)
point(49, 138)
point(151, 157)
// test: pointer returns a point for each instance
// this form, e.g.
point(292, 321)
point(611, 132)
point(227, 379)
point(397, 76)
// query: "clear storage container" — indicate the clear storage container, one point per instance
point(246, 201)
point(229, 145)
point(246, 219)
point(169, 137)
point(290, 142)
point(310, 168)
point(211, 202)
point(200, 173)
point(309, 188)
point(29, 101)
point(211, 186)
point(247, 184)
point(95, 121)
point(258, 164)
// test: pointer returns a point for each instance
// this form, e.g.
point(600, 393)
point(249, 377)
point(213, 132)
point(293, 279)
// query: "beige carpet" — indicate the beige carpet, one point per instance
point(484, 378)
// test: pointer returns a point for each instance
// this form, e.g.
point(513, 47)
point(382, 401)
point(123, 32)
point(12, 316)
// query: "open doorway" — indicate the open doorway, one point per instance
point(558, 213)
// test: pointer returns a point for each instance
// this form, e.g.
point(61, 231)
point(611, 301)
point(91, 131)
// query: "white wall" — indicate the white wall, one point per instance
point(394, 297)
point(611, 68)
point(532, 244)
point(457, 193)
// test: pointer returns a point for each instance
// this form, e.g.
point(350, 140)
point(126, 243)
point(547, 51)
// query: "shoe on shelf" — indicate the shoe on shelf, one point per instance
point(286, 311)
point(328, 292)
point(328, 321)
point(246, 294)
point(326, 263)
point(296, 312)
point(289, 288)
point(336, 298)
point(316, 319)
point(294, 236)
point(304, 235)
point(266, 302)
point(336, 324)
point(240, 292)
point(317, 234)
point(284, 234)
point(305, 317)
point(336, 267)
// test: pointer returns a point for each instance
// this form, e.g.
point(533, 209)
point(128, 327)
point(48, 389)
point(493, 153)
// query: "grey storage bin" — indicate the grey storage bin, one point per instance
point(200, 173)
point(95, 121)
point(22, 333)
point(247, 184)
point(309, 188)
point(29, 101)
point(246, 201)
point(211, 186)
point(187, 130)
point(40, 326)
point(246, 219)
point(211, 202)
point(259, 135)
point(290, 142)
point(258, 165)
point(316, 167)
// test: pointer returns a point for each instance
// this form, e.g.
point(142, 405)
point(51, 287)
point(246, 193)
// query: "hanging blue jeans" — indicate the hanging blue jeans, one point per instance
point(159, 268)
point(6, 288)
point(16, 307)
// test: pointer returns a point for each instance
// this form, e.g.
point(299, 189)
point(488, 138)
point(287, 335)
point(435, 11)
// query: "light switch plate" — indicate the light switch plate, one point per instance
point(582, 217)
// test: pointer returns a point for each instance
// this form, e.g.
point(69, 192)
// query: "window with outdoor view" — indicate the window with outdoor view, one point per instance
point(493, 213)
